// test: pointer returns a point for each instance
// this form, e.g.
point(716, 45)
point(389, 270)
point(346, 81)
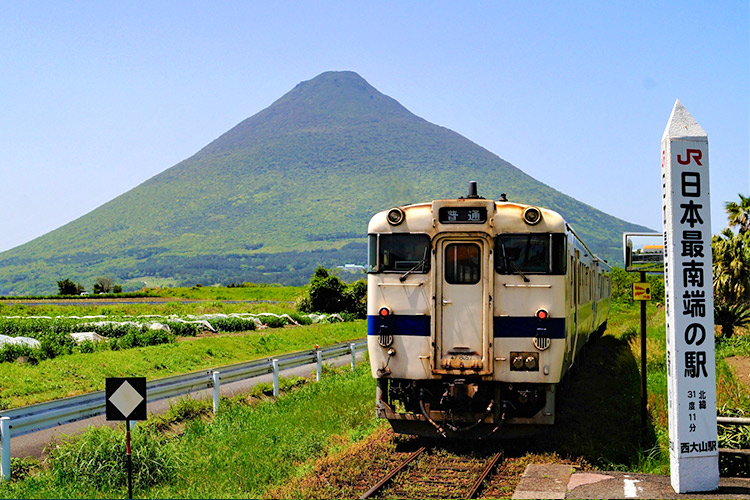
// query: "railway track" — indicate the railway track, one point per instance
point(429, 473)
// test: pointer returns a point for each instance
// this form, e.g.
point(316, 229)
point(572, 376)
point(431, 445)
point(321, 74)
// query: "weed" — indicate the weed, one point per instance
point(96, 459)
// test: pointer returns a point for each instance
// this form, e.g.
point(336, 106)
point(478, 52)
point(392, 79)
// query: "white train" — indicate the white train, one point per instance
point(476, 309)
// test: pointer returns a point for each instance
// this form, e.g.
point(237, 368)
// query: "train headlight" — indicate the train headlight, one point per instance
point(524, 361)
point(530, 362)
point(542, 314)
point(517, 362)
point(532, 215)
point(395, 216)
point(384, 312)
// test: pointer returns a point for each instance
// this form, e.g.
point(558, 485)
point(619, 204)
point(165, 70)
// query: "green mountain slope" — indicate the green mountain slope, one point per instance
point(286, 189)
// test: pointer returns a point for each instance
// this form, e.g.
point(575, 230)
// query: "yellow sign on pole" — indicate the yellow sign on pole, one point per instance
point(641, 291)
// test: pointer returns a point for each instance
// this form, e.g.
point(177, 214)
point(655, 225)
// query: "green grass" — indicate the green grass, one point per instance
point(242, 291)
point(247, 291)
point(243, 451)
point(80, 373)
point(179, 308)
point(652, 455)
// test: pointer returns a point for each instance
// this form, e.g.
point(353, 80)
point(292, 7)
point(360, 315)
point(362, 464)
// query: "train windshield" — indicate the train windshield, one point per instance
point(534, 253)
point(399, 253)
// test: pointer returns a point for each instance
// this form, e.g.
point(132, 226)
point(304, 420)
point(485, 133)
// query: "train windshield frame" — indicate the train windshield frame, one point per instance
point(531, 253)
point(398, 253)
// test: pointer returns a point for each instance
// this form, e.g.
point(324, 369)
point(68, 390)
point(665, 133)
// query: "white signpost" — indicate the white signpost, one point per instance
point(691, 375)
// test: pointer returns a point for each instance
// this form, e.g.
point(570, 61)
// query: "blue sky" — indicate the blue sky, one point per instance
point(97, 97)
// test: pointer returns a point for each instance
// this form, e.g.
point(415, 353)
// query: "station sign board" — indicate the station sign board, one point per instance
point(691, 371)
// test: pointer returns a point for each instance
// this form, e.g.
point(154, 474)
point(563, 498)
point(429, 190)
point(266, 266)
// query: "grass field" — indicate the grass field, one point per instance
point(251, 445)
point(256, 445)
point(79, 373)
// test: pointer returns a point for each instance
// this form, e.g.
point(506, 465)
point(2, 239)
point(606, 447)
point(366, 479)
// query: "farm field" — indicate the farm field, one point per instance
point(243, 292)
point(41, 360)
point(321, 440)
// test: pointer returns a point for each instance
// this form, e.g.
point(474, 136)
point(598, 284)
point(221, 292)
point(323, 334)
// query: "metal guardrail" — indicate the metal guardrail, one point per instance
point(734, 421)
point(33, 418)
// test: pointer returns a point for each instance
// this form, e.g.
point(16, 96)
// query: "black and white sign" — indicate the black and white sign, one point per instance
point(126, 398)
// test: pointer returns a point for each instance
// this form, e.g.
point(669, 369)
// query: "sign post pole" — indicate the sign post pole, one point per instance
point(125, 400)
point(129, 459)
point(691, 366)
point(644, 391)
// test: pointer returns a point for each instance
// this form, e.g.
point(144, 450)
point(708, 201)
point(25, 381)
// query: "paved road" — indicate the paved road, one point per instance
point(32, 445)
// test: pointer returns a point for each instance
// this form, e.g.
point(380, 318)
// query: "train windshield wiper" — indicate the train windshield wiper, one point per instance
point(418, 264)
point(509, 263)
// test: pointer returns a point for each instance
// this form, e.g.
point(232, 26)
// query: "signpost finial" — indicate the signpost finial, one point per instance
point(682, 125)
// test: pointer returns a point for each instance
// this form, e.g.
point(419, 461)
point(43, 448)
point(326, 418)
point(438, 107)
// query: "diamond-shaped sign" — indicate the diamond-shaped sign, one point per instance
point(126, 398)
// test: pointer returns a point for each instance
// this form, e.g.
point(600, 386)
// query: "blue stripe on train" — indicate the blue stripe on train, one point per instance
point(399, 325)
point(528, 326)
point(503, 327)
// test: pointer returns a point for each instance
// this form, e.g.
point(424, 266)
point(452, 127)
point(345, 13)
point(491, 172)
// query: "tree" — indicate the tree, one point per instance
point(731, 269)
point(67, 287)
point(327, 292)
point(104, 285)
point(739, 213)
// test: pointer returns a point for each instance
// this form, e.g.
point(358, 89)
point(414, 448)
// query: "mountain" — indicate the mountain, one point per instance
point(286, 189)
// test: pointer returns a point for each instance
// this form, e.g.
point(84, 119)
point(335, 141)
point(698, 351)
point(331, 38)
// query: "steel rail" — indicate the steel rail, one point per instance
point(486, 472)
point(391, 474)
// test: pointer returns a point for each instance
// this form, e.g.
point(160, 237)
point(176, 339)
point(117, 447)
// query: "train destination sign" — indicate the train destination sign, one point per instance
point(462, 215)
point(691, 372)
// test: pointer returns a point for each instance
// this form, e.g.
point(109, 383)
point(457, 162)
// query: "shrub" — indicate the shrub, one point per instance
point(356, 295)
point(731, 316)
point(328, 294)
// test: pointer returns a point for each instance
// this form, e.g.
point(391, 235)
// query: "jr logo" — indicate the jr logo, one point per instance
point(692, 154)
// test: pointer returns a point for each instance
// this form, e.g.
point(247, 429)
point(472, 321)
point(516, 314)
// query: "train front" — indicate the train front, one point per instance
point(436, 295)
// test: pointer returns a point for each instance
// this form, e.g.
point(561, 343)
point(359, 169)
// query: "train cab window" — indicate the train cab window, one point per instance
point(462, 263)
point(398, 253)
point(534, 253)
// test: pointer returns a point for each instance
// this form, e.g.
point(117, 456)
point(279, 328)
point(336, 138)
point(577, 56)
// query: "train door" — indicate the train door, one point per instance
point(462, 305)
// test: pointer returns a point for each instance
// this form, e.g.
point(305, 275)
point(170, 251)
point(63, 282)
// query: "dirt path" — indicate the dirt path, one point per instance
point(741, 367)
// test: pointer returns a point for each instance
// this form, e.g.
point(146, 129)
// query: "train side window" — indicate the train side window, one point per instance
point(372, 253)
point(462, 263)
point(559, 253)
point(399, 253)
